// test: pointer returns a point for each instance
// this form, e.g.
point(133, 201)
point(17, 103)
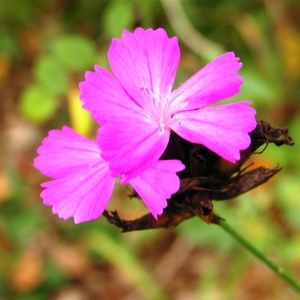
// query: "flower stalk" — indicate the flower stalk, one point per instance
point(273, 266)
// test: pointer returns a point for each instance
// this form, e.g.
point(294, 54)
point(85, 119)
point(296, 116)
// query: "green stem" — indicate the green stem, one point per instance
point(277, 269)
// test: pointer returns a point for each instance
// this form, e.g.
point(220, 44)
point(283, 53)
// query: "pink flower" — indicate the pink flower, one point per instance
point(82, 184)
point(138, 109)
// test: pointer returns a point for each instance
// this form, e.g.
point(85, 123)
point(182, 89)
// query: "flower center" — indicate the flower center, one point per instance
point(158, 108)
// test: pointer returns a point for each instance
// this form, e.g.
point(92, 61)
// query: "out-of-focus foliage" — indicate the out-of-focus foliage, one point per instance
point(52, 72)
point(45, 49)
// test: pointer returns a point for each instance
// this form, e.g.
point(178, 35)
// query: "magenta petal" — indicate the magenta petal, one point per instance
point(131, 145)
point(83, 183)
point(82, 195)
point(218, 80)
point(145, 60)
point(223, 129)
point(65, 151)
point(157, 184)
point(104, 97)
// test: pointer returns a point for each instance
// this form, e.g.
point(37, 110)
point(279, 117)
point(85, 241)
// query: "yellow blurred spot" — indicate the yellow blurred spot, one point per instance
point(289, 43)
point(80, 119)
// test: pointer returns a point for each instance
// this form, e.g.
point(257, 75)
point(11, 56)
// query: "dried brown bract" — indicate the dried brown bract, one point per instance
point(208, 178)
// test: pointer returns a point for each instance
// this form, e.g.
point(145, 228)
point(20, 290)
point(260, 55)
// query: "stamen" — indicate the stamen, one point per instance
point(159, 108)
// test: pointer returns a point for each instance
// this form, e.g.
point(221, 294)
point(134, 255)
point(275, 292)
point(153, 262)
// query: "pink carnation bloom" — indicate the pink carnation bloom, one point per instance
point(138, 109)
point(82, 184)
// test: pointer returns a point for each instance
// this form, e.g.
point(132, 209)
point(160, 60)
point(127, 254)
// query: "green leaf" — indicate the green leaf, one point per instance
point(75, 53)
point(37, 105)
point(50, 75)
point(119, 15)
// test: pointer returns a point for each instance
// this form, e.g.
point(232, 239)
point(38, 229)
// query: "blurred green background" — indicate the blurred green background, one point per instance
point(45, 49)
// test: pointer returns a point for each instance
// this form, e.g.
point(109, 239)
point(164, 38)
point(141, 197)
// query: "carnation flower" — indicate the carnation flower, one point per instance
point(82, 184)
point(138, 109)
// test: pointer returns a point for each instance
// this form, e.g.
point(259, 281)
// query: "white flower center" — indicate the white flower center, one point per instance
point(159, 109)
